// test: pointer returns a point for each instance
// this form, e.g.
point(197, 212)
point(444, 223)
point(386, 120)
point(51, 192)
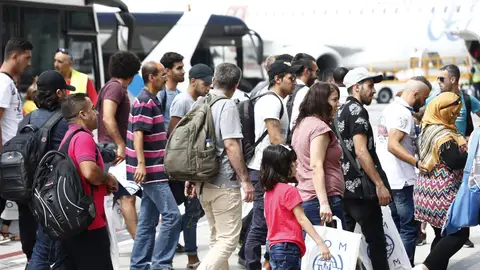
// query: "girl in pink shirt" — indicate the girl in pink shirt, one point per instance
point(283, 210)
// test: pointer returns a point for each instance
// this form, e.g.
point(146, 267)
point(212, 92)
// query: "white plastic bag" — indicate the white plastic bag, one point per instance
point(343, 246)
point(120, 172)
point(111, 214)
point(10, 212)
point(396, 253)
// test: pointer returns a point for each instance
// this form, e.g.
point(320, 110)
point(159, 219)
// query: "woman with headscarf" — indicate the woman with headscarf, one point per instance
point(443, 151)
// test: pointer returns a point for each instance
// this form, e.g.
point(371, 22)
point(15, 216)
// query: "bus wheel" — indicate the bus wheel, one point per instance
point(384, 95)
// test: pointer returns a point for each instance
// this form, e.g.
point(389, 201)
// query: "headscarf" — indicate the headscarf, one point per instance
point(438, 127)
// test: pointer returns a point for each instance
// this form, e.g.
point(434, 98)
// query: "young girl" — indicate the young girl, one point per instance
point(283, 210)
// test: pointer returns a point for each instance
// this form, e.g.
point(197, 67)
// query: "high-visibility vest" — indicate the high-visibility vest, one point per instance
point(476, 75)
point(79, 80)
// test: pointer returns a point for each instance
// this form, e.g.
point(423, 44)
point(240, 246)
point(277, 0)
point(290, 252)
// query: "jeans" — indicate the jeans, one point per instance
point(157, 199)
point(285, 256)
point(368, 214)
point(407, 226)
point(257, 234)
point(193, 212)
point(246, 221)
point(45, 252)
point(223, 209)
point(312, 209)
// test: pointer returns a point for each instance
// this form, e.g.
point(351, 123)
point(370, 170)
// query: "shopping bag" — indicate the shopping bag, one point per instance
point(343, 246)
point(116, 217)
point(112, 232)
point(465, 209)
point(10, 212)
point(396, 253)
point(120, 172)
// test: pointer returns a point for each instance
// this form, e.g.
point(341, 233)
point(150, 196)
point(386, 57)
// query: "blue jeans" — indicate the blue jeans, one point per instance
point(312, 209)
point(403, 215)
point(45, 252)
point(193, 212)
point(157, 199)
point(285, 256)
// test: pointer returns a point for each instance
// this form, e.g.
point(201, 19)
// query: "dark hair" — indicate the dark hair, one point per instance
point(452, 71)
point(303, 56)
point(272, 81)
point(149, 68)
point(124, 65)
point(284, 57)
point(227, 76)
point(315, 103)
point(170, 58)
point(339, 73)
point(276, 165)
point(423, 80)
point(17, 45)
point(47, 99)
point(327, 73)
point(305, 60)
point(72, 105)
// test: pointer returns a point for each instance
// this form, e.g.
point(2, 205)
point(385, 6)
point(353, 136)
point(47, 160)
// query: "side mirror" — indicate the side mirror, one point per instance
point(124, 29)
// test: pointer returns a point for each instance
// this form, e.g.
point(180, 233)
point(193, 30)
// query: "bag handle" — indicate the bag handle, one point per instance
point(345, 149)
point(472, 152)
point(339, 223)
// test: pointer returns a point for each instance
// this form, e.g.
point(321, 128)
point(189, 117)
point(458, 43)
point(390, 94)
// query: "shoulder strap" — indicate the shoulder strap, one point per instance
point(265, 133)
point(53, 120)
point(472, 152)
point(345, 149)
point(66, 144)
point(46, 129)
point(163, 95)
point(468, 106)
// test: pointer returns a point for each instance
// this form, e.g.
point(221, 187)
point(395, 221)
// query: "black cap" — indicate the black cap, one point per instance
point(202, 72)
point(52, 80)
point(282, 67)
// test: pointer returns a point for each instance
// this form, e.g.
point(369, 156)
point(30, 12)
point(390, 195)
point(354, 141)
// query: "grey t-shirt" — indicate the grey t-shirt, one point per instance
point(181, 104)
point(171, 94)
point(227, 126)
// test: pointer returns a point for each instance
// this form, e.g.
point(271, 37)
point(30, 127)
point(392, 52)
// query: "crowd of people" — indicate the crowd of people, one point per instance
point(314, 158)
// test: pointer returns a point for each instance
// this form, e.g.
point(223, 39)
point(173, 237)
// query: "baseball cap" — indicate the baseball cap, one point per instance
point(202, 72)
point(359, 74)
point(52, 80)
point(281, 67)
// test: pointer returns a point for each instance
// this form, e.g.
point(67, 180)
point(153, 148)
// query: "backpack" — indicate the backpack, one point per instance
point(190, 153)
point(19, 157)
point(289, 105)
point(247, 119)
point(60, 203)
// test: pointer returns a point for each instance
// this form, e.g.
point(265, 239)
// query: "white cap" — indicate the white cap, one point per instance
point(359, 74)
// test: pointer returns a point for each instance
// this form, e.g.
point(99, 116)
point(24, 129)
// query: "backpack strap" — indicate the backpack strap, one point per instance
point(468, 106)
point(46, 130)
point(163, 97)
point(265, 133)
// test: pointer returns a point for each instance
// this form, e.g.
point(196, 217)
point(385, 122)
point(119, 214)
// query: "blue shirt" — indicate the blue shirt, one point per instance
point(40, 117)
point(170, 96)
point(461, 121)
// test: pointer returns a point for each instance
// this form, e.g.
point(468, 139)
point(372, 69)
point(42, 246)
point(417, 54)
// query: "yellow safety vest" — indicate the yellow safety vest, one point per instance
point(79, 80)
point(476, 75)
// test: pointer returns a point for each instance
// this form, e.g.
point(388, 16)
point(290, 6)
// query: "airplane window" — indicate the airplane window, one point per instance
point(433, 9)
point(445, 9)
point(396, 10)
point(384, 10)
point(458, 9)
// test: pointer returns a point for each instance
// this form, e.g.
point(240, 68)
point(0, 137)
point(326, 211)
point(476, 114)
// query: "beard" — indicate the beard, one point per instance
point(417, 105)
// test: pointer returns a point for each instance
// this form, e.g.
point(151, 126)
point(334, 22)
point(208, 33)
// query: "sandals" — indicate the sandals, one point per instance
point(9, 236)
point(193, 265)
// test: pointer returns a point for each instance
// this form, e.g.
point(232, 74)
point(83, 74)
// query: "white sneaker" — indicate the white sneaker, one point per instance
point(419, 267)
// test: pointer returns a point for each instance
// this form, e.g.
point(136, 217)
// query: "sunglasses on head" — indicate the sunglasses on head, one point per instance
point(455, 103)
point(63, 50)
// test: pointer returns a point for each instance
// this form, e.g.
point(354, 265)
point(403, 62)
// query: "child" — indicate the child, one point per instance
point(283, 210)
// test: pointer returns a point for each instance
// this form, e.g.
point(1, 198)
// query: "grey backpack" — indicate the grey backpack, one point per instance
point(190, 152)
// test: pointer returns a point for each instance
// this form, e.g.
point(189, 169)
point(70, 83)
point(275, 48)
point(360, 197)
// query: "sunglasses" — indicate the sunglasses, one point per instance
point(455, 103)
point(64, 51)
point(441, 79)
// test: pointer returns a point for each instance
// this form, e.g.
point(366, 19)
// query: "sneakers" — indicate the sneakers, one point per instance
point(422, 239)
point(180, 249)
point(468, 244)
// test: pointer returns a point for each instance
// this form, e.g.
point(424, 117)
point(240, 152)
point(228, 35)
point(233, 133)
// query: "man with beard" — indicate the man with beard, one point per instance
point(356, 138)
point(396, 150)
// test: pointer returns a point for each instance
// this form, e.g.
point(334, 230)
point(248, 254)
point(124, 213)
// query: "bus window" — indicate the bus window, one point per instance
point(223, 54)
point(84, 53)
point(251, 69)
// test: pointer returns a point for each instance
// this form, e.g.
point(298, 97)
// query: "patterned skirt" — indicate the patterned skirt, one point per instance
point(433, 194)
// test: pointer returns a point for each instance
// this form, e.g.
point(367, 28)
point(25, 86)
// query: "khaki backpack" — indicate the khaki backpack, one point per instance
point(190, 152)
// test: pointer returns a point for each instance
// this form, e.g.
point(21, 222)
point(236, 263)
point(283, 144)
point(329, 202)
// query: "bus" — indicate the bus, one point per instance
point(72, 24)
point(200, 37)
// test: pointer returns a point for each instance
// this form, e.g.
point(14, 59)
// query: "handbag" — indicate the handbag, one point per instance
point(369, 190)
point(464, 211)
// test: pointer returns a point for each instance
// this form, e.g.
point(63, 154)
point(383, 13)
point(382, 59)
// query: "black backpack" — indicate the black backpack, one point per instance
point(247, 118)
point(60, 203)
point(19, 158)
point(290, 101)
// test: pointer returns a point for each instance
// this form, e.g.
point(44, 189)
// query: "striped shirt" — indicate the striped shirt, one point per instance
point(146, 116)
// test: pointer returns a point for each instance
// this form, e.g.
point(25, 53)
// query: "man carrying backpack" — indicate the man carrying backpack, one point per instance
point(271, 127)
point(89, 249)
point(146, 138)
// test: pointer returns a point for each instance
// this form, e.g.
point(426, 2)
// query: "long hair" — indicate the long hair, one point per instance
point(316, 103)
point(277, 165)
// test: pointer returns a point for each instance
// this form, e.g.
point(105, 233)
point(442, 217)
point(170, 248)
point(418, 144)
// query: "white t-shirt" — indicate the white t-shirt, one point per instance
point(397, 115)
point(11, 102)
point(267, 107)
point(296, 103)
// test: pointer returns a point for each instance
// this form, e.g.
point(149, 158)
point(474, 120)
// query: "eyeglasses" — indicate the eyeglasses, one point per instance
point(455, 103)
point(64, 51)
point(441, 79)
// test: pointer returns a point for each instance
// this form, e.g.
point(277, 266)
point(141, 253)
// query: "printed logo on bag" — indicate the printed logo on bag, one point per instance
point(336, 263)
point(9, 204)
point(390, 245)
